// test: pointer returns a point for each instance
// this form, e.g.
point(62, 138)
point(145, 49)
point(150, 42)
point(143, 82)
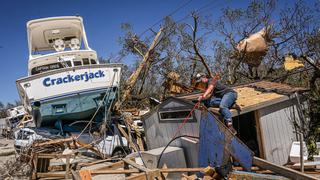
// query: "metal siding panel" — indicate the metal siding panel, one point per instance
point(288, 132)
point(274, 138)
point(277, 136)
point(267, 136)
point(217, 143)
point(277, 132)
point(159, 134)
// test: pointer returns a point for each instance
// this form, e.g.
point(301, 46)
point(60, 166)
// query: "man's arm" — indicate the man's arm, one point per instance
point(207, 92)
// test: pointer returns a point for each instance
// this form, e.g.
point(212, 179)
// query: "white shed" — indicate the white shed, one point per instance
point(265, 122)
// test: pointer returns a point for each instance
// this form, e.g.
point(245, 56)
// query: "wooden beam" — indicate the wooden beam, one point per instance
point(259, 134)
point(75, 175)
point(56, 141)
point(116, 165)
point(116, 171)
point(135, 165)
point(50, 156)
point(150, 173)
point(251, 175)
point(174, 170)
point(281, 170)
point(123, 132)
point(129, 171)
point(140, 176)
point(67, 167)
point(90, 147)
point(48, 175)
point(85, 174)
point(95, 162)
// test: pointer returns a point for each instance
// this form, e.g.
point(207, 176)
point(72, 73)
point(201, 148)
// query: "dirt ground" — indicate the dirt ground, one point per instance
point(7, 151)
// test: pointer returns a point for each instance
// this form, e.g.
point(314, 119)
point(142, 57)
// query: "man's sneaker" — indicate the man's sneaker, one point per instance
point(230, 126)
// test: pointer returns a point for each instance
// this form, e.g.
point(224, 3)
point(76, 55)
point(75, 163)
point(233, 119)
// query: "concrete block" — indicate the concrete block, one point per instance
point(173, 157)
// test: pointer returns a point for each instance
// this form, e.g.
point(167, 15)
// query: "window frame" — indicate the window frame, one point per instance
point(175, 120)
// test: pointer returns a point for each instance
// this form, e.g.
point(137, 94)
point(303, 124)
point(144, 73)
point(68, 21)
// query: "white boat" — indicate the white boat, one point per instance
point(65, 80)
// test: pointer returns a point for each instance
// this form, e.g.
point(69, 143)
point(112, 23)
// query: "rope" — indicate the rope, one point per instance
point(96, 112)
point(186, 119)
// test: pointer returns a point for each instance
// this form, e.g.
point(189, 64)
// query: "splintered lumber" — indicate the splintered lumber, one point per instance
point(281, 170)
point(55, 141)
point(140, 176)
point(75, 175)
point(121, 171)
point(95, 162)
point(51, 175)
point(251, 175)
point(125, 171)
point(174, 170)
point(130, 83)
point(85, 174)
point(123, 132)
point(135, 165)
point(89, 146)
point(139, 141)
point(116, 165)
point(150, 173)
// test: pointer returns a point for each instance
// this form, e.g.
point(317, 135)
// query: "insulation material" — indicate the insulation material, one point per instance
point(255, 47)
point(174, 76)
point(291, 63)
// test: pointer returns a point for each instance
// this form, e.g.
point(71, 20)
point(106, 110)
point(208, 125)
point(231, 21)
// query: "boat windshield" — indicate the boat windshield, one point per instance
point(59, 65)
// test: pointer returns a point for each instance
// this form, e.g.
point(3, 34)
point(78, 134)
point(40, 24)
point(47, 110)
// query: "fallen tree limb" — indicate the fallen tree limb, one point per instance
point(130, 83)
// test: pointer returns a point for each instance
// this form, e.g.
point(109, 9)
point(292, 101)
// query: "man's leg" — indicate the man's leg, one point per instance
point(226, 102)
point(213, 102)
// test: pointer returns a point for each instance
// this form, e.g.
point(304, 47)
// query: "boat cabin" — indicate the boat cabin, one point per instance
point(58, 42)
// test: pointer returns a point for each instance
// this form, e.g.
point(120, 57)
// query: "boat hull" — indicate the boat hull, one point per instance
point(80, 106)
point(69, 94)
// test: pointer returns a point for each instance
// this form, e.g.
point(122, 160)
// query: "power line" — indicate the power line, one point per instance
point(199, 11)
point(159, 21)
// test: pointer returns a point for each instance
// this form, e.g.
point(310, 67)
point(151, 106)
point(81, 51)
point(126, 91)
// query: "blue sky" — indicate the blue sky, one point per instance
point(102, 20)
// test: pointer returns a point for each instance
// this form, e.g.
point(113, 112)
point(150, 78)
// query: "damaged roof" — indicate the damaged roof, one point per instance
point(256, 95)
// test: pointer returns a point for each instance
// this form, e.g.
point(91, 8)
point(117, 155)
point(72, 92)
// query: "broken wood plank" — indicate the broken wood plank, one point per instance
point(75, 175)
point(116, 171)
point(281, 170)
point(55, 141)
point(150, 173)
point(95, 162)
point(116, 165)
point(85, 174)
point(153, 174)
point(67, 167)
point(135, 165)
point(90, 147)
point(140, 176)
point(174, 170)
point(251, 175)
point(140, 142)
point(50, 175)
point(49, 156)
point(123, 132)
point(125, 171)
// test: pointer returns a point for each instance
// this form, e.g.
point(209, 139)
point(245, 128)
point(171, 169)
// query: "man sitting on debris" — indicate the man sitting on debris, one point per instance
point(218, 94)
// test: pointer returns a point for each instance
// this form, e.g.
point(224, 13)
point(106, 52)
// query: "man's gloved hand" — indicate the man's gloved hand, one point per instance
point(200, 98)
